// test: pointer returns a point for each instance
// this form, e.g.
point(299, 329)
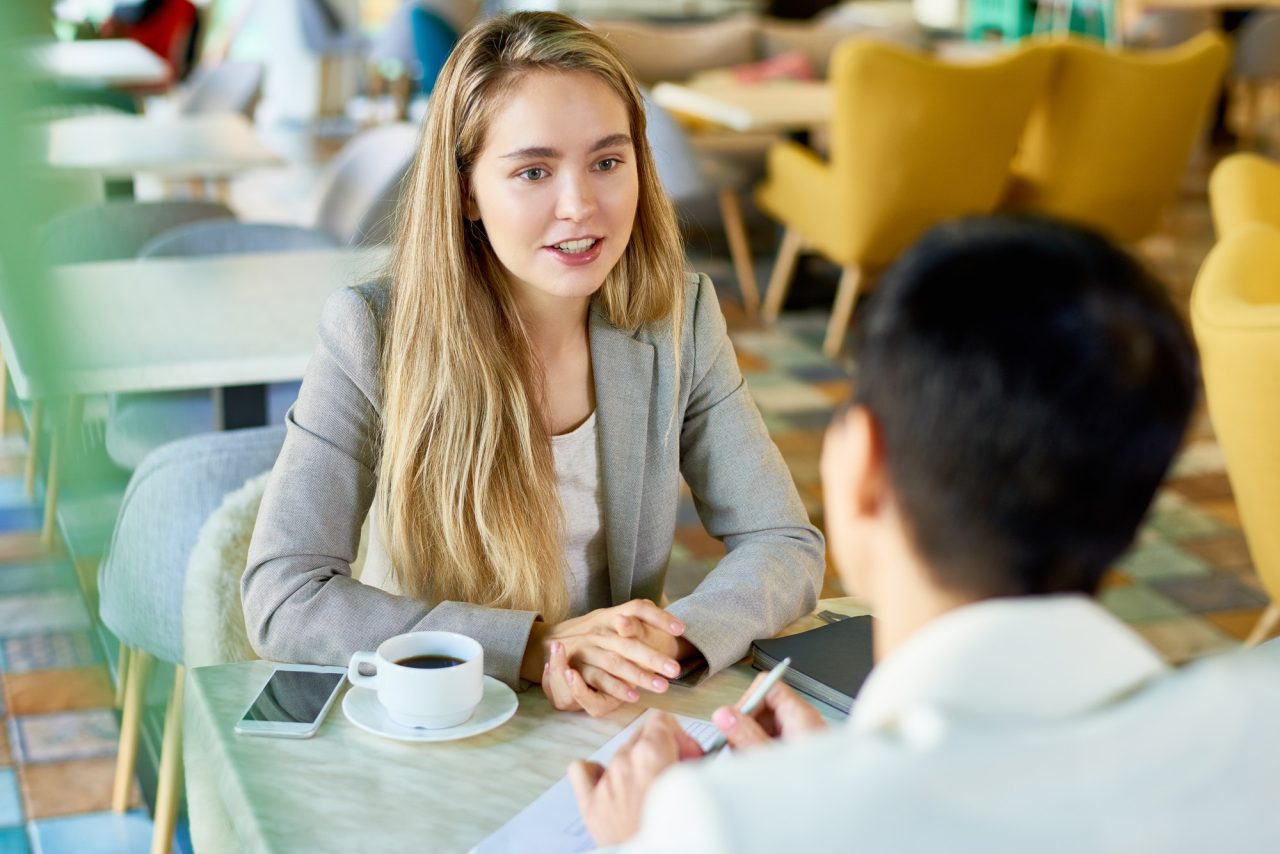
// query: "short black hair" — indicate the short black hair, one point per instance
point(1032, 383)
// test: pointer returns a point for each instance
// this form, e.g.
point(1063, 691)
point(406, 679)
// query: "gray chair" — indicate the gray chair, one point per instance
point(118, 229)
point(229, 87)
point(137, 424)
point(357, 194)
point(227, 236)
point(142, 578)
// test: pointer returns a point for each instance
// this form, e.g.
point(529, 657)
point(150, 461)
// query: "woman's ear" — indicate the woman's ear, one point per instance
point(469, 207)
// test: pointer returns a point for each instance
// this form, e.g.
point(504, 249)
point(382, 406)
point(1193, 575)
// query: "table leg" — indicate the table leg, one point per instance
point(56, 439)
point(4, 395)
point(236, 407)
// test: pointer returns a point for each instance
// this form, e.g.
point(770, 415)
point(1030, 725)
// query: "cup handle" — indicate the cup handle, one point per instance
point(358, 678)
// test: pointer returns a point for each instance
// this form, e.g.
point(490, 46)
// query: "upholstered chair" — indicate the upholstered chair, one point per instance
point(914, 141)
point(1235, 312)
point(141, 583)
point(1108, 143)
point(1244, 188)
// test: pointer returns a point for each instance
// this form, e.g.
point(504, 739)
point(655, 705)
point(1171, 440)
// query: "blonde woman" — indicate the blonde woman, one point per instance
point(517, 403)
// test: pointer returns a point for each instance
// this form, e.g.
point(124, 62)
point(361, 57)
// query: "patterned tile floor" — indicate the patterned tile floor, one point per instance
point(1187, 584)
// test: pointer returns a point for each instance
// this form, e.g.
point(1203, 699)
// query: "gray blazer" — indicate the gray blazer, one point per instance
point(301, 603)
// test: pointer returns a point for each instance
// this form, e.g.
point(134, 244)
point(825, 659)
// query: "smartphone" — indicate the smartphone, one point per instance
point(293, 702)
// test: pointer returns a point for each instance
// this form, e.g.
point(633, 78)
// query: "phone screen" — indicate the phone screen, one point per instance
point(294, 696)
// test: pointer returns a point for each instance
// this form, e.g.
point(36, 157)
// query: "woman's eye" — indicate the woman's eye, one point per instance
point(535, 173)
point(608, 164)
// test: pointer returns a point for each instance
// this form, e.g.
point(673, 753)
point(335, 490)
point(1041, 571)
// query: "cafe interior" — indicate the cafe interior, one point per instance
point(199, 175)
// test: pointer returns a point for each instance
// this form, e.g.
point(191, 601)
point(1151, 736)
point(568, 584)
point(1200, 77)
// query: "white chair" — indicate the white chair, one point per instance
point(228, 87)
point(356, 195)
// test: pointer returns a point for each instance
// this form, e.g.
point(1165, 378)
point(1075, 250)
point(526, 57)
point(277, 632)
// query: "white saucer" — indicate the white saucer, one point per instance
point(497, 705)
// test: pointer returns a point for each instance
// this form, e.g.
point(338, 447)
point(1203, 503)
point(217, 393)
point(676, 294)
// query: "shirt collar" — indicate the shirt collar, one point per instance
point(1028, 658)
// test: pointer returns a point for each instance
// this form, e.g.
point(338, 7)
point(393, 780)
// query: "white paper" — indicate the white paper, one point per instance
point(551, 824)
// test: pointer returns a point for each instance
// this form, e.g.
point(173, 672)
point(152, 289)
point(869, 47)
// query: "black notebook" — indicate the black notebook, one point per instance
point(829, 663)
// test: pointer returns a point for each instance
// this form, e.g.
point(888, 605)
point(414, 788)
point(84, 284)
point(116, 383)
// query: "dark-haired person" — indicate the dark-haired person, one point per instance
point(1022, 387)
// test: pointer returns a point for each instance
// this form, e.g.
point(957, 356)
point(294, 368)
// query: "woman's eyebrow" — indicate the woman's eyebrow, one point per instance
point(613, 139)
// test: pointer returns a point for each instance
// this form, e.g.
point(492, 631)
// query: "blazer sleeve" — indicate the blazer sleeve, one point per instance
point(300, 602)
point(772, 570)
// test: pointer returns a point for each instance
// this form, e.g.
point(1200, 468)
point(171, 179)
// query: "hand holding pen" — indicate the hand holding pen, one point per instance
point(769, 710)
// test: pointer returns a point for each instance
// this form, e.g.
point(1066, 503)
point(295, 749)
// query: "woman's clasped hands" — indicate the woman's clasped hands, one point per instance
point(603, 659)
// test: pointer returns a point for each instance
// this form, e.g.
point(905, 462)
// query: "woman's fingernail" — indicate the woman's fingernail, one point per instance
point(568, 676)
point(677, 627)
point(659, 684)
point(555, 647)
point(546, 666)
point(671, 668)
point(633, 695)
point(725, 718)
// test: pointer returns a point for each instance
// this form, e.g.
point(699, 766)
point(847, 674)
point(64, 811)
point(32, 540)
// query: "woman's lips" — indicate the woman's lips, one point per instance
point(577, 259)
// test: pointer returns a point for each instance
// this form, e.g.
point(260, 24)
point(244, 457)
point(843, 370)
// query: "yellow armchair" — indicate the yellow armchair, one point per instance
point(914, 141)
point(1108, 143)
point(1235, 313)
point(1244, 188)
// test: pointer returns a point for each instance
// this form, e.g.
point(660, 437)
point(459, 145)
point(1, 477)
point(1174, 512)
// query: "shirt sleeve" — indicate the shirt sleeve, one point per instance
point(772, 571)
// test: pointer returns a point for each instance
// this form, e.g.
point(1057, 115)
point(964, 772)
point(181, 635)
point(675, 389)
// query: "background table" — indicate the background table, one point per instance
point(348, 790)
point(103, 62)
point(777, 105)
point(167, 324)
point(216, 146)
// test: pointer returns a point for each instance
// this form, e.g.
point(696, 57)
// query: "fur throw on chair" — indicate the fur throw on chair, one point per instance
point(212, 617)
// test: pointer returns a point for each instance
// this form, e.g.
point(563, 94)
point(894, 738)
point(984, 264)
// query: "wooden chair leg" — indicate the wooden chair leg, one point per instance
point(736, 232)
point(122, 673)
point(169, 782)
point(780, 280)
point(130, 727)
point(51, 488)
point(4, 395)
point(1265, 626)
point(33, 447)
point(846, 296)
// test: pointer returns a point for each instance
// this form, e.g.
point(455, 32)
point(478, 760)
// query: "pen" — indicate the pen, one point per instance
point(753, 701)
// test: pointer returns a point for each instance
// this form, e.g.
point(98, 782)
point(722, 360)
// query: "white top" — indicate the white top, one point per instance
point(578, 474)
point(577, 459)
point(1039, 724)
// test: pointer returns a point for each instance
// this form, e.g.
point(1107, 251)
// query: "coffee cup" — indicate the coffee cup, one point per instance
point(431, 680)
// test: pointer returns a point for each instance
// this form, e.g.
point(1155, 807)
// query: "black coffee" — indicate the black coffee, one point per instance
point(430, 662)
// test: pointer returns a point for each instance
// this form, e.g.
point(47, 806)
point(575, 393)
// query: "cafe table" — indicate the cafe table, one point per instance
point(348, 790)
point(166, 324)
point(194, 147)
point(121, 63)
point(773, 105)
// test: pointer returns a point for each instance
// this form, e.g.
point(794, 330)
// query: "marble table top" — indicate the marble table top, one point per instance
point(178, 146)
point(162, 324)
point(348, 790)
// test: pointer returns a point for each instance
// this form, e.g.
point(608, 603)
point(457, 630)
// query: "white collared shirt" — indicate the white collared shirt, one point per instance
point(1039, 724)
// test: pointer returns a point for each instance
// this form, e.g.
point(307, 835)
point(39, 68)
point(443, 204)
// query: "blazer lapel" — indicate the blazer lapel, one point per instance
point(623, 370)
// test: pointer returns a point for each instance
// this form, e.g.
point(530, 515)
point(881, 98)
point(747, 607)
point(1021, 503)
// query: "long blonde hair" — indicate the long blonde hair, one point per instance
point(467, 481)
